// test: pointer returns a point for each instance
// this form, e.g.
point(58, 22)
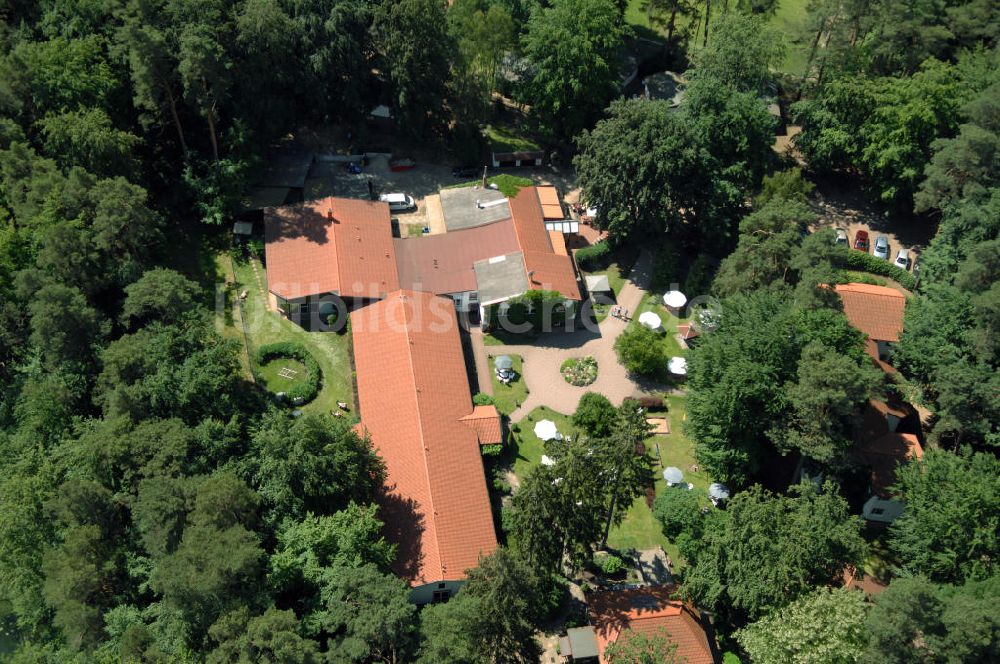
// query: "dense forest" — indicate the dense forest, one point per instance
point(156, 506)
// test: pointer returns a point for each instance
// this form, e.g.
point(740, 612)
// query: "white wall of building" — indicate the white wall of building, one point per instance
point(882, 510)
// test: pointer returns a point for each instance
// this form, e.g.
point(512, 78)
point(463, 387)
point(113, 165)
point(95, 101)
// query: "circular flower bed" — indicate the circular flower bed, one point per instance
point(579, 371)
point(298, 378)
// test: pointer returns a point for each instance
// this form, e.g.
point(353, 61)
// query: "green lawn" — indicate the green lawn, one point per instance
point(668, 339)
point(529, 447)
point(331, 351)
point(508, 184)
point(506, 139)
point(508, 397)
point(640, 529)
point(789, 20)
point(283, 373)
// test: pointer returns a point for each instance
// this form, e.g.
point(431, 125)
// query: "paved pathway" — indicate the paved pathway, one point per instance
point(544, 357)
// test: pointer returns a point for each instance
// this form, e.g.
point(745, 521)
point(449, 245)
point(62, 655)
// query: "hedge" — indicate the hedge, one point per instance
point(307, 389)
point(865, 262)
point(594, 257)
point(482, 399)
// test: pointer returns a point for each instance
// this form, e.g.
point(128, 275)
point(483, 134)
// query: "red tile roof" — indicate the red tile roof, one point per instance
point(413, 393)
point(485, 421)
point(549, 199)
point(548, 271)
point(614, 613)
point(688, 331)
point(443, 264)
point(526, 212)
point(884, 454)
point(875, 310)
point(336, 245)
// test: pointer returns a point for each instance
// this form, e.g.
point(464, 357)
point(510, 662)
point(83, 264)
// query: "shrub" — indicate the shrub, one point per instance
point(595, 415)
point(865, 262)
point(640, 351)
point(307, 389)
point(651, 403)
point(678, 511)
point(482, 399)
point(609, 564)
point(594, 257)
point(536, 308)
point(515, 427)
point(491, 450)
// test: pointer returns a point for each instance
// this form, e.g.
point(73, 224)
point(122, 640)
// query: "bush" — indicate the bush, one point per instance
point(651, 403)
point(514, 428)
point(482, 399)
point(595, 415)
point(307, 389)
point(491, 450)
point(865, 262)
point(678, 511)
point(640, 351)
point(531, 308)
point(594, 257)
point(609, 564)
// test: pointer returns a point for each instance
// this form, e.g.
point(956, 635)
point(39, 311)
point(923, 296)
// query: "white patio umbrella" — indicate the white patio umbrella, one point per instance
point(503, 362)
point(718, 491)
point(674, 299)
point(546, 430)
point(650, 320)
point(547, 461)
point(673, 475)
point(678, 366)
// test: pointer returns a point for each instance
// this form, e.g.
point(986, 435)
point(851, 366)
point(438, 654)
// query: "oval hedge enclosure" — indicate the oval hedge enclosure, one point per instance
point(304, 391)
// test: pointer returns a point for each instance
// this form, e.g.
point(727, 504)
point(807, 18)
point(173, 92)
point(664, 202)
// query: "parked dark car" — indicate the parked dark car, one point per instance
point(861, 241)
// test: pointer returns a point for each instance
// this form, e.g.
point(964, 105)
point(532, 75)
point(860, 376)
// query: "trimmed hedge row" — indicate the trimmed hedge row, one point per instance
point(865, 262)
point(307, 389)
point(595, 256)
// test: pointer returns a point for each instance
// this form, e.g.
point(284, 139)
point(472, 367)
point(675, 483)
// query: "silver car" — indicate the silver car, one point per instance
point(902, 259)
point(881, 249)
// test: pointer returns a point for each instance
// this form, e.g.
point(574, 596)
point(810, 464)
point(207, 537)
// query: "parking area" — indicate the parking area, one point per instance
point(839, 207)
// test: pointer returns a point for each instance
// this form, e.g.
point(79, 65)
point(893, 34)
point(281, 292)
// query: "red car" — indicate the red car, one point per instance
point(861, 241)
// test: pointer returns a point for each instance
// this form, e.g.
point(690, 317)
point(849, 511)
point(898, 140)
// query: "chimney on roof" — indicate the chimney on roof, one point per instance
point(531, 276)
point(329, 215)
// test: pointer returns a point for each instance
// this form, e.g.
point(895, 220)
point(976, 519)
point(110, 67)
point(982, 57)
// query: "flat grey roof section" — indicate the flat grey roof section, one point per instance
point(582, 642)
point(461, 210)
point(501, 277)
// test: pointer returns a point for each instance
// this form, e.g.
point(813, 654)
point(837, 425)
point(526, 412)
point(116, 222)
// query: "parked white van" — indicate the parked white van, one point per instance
point(398, 202)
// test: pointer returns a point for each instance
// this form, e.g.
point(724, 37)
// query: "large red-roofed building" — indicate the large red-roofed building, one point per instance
point(415, 403)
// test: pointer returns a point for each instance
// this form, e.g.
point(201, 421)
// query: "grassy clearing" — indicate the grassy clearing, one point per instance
point(529, 447)
point(283, 373)
point(508, 184)
point(330, 350)
point(507, 139)
point(668, 338)
point(508, 397)
point(640, 529)
point(789, 20)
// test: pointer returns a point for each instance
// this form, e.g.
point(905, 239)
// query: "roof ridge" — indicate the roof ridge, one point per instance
point(404, 295)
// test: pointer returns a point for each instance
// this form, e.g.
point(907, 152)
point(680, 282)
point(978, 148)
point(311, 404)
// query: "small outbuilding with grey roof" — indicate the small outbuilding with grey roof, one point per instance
point(580, 645)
